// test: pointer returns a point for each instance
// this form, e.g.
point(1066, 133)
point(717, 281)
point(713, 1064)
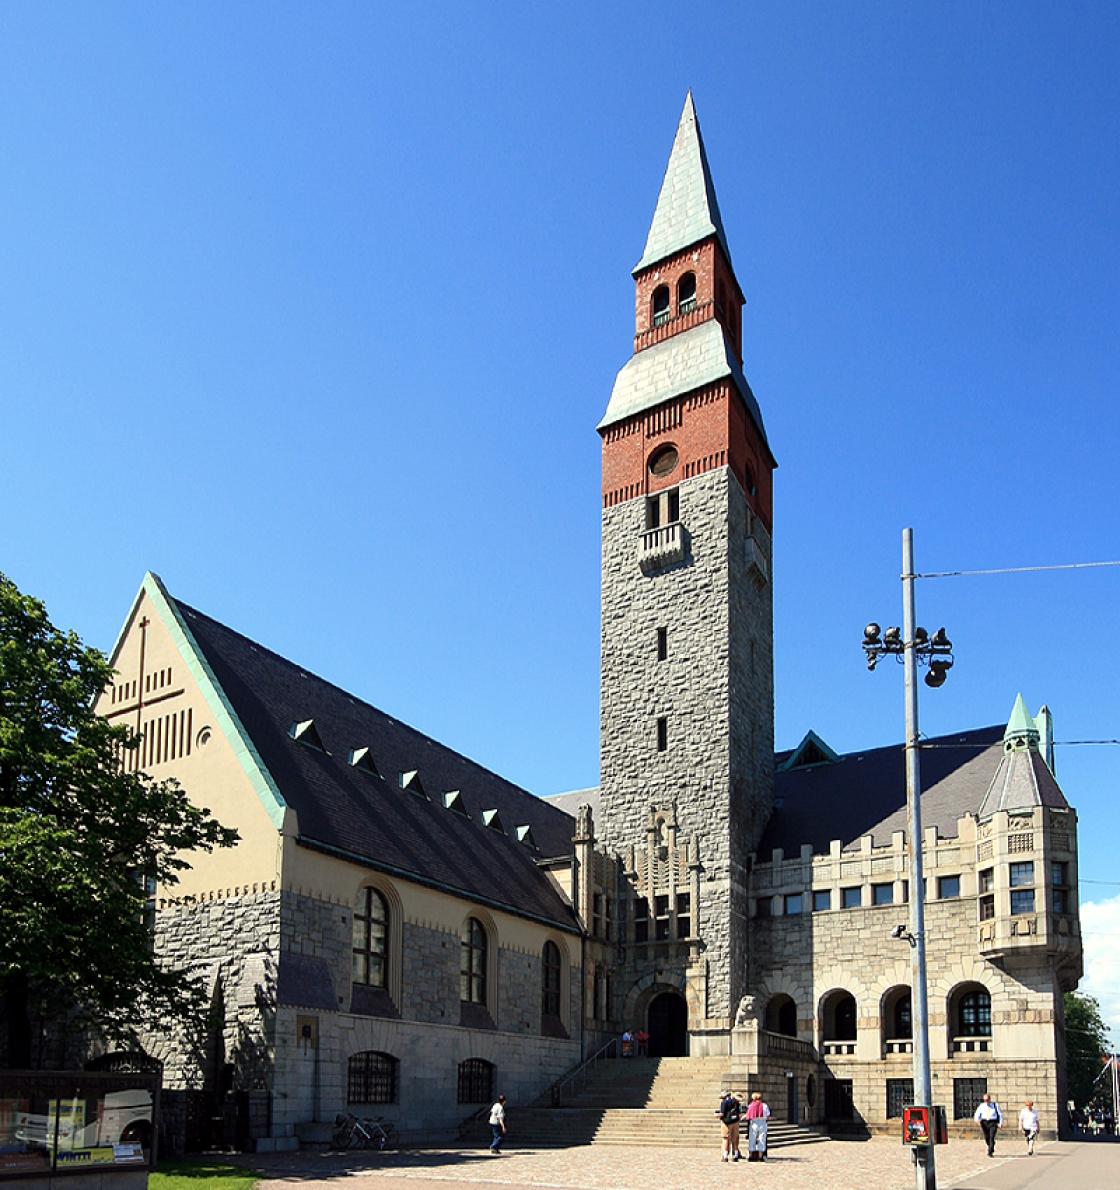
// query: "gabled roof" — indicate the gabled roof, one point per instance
point(811, 750)
point(864, 793)
point(686, 211)
point(675, 366)
point(361, 816)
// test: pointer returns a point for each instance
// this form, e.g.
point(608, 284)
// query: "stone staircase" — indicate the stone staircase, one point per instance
point(637, 1101)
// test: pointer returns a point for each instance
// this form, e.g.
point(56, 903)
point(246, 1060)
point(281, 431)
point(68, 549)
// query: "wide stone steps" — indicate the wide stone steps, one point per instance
point(638, 1101)
point(652, 1127)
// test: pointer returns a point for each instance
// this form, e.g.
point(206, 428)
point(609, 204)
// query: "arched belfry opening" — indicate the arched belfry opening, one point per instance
point(667, 1025)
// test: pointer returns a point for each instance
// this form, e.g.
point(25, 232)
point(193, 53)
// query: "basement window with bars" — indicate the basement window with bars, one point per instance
point(476, 1081)
point(900, 1093)
point(967, 1094)
point(371, 1077)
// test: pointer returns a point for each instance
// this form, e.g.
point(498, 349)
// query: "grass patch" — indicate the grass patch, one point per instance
point(201, 1175)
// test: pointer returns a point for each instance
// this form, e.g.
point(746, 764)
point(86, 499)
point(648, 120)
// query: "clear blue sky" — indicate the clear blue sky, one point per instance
point(312, 309)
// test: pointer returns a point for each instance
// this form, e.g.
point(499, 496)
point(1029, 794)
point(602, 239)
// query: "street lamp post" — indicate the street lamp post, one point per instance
point(913, 646)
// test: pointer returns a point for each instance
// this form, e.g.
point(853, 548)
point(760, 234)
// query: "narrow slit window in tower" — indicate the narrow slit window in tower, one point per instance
point(662, 734)
point(662, 644)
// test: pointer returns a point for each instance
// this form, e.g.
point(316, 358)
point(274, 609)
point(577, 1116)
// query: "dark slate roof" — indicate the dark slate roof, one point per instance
point(368, 817)
point(1022, 781)
point(864, 793)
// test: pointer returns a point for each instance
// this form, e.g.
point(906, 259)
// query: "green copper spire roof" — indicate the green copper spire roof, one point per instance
point(687, 211)
point(1022, 731)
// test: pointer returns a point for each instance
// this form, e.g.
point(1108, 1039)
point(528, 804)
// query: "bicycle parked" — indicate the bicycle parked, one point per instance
point(352, 1133)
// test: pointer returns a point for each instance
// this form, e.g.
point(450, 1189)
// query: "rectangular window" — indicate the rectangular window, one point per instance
point(900, 1094)
point(663, 509)
point(662, 643)
point(1059, 900)
point(906, 891)
point(882, 894)
point(793, 904)
point(851, 898)
point(661, 912)
point(1059, 873)
point(986, 880)
point(641, 920)
point(684, 915)
point(967, 1093)
point(948, 887)
point(763, 907)
point(662, 734)
point(987, 908)
point(1022, 900)
point(596, 915)
point(1020, 874)
point(608, 913)
point(822, 900)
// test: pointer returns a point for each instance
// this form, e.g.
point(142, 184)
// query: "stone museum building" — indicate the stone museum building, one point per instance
point(401, 932)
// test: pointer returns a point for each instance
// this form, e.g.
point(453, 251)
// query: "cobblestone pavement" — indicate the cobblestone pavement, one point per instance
point(877, 1164)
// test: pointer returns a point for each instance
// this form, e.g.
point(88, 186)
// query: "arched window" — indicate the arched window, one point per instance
point(472, 962)
point(476, 1081)
point(551, 969)
point(838, 1017)
point(371, 939)
point(846, 1019)
point(661, 305)
point(974, 1014)
point(371, 1077)
point(686, 293)
point(781, 1015)
point(901, 1022)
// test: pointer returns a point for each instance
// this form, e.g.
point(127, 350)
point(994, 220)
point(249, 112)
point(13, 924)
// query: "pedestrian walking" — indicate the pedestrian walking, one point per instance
point(627, 1044)
point(729, 1111)
point(1028, 1121)
point(757, 1114)
point(497, 1125)
point(990, 1119)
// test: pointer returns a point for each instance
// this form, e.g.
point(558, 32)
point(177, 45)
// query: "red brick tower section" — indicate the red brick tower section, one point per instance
point(707, 427)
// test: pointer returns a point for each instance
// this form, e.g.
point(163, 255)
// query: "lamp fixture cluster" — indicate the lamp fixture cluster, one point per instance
point(935, 651)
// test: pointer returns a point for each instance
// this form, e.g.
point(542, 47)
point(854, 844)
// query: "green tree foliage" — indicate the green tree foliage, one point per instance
point(81, 842)
point(1086, 1046)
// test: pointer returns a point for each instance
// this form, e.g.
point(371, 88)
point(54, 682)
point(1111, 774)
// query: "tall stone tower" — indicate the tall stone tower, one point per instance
point(686, 712)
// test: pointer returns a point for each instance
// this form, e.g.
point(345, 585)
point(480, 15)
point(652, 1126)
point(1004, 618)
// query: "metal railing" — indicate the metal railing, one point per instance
point(555, 1094)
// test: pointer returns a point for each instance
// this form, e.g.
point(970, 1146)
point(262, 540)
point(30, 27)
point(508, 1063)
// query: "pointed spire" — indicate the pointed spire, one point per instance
point(687, 211)
point(1022, 731)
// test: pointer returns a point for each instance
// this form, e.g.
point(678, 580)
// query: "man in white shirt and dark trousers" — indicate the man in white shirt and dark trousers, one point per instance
point(989, 1118)
point(1028, 1121)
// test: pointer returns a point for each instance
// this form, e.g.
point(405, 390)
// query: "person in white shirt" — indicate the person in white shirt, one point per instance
point(1028, 1121)
point(990, 1118)
point(497, 1125)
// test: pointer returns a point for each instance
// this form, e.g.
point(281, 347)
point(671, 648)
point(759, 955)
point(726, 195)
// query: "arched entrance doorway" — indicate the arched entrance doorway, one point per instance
point(667, 1023)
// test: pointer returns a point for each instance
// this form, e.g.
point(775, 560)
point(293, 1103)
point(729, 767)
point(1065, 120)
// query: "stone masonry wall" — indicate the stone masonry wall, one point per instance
point(693, 688)
point(233, 944)
point(812, 954)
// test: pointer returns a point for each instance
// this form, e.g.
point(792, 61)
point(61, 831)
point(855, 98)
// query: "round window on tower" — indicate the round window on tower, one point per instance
point(663, 462)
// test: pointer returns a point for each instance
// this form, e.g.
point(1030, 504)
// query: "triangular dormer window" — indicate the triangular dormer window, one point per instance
point(493, 820)
point(305, 732)
point(411, 781)
point(453, 801)
point(362, 758)
point(812, 750)
point(525, 835)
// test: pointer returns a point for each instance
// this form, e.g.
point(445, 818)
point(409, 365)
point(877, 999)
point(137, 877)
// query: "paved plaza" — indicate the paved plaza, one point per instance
point(877, 1164)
